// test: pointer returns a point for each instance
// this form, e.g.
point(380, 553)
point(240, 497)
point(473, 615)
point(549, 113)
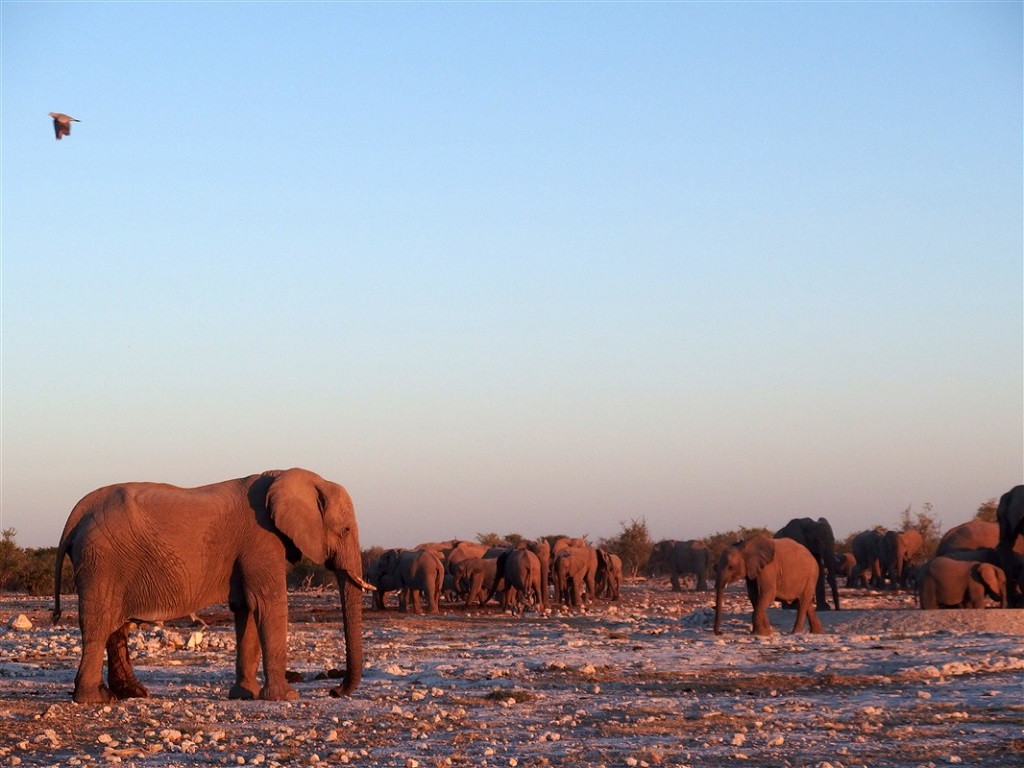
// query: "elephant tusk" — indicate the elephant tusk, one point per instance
point(358, 580)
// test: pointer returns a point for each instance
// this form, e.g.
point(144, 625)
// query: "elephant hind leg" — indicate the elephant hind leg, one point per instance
point(89, 687)
point(120, 675)
point(805, 609)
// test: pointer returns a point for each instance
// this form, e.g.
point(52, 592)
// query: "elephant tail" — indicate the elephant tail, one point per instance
point(58, 569)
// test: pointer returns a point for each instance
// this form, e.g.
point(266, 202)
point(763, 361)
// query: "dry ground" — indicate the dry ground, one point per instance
point(641, 682)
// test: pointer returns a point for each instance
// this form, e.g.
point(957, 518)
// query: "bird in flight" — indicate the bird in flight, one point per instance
point(62, 124)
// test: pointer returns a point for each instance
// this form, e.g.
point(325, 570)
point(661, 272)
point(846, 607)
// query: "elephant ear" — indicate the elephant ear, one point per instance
point(296, 508)
point(757, 553)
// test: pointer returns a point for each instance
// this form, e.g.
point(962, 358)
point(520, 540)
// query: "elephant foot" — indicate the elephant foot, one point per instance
point(241, 692)
point(128, 689)
point(99, 694)
point(278, 693)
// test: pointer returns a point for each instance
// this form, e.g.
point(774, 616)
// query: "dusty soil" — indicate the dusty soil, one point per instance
point(640, 682)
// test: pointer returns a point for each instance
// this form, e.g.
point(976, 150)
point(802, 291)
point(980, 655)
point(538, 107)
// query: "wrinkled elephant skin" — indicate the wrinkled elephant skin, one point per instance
point(150, 551)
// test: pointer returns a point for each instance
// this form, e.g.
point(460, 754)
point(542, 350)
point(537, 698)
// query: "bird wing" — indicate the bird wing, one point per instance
point(56, 128)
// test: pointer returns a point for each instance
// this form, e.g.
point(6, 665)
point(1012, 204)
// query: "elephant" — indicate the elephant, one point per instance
point(542, 549)
point(519, 571)
point(463, 551)
point(1010, 518)
point(570, 569)
point(867, 550)
point(609, 574)
point(416, 572)
point(897, 552)
point(384, 581)
point(681, 557)
point(949, 583)
point(773, 569)
point(153, 552)
point(817, 536)
point(582, 585)
point(477, 579)
point(974, 534)
point(848, 568)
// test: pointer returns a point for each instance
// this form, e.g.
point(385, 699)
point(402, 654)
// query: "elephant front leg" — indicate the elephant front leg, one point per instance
point(760, 599)
point(247, 655)
point(272, 624)
point(120, 675)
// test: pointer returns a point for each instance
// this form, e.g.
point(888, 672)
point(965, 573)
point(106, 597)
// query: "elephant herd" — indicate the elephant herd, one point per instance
point(153, 552)
point(519, 577)
point(973, 562)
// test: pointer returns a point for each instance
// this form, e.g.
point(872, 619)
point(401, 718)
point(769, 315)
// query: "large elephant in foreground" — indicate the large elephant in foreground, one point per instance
point(897, 552)
point(1010, 516)
point(774, 569)
point(946, 582)
point(820, 541)
point(679, 558)
point(151, 552)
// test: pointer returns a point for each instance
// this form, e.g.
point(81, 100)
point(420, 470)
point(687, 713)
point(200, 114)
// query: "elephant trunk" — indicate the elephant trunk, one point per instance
point(351, 588)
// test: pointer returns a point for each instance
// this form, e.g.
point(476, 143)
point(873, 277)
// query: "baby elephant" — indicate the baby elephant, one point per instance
point(948, 583)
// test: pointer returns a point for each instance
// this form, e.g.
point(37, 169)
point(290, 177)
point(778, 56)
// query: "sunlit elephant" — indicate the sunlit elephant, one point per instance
point(609, 574)
point(946, 582)
point(418, 574)
point(476, 579)
point(542, 549)
point(463, 551)
point(680, 558)
point(569, 572)
point(974, 534)
point(519, 571)
point(867, 550)
point(773, 569)
point(897, 553)
point(581, 569)
point(152, 552)
point(1010, 517)
point(818, 538)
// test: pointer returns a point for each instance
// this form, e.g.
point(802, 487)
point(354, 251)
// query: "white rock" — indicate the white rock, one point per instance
point(21, 623)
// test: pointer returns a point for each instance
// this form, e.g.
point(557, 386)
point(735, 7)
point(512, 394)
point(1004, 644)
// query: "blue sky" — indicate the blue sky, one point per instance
point(535, 268)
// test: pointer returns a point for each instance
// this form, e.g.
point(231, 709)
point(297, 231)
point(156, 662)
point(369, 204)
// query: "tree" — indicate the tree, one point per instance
point(987, 510)
point(926, 524)
point(11, 559)
point(633, 545)
point(491, 540)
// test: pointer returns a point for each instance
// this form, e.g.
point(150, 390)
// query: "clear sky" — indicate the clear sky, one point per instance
point(517, 267)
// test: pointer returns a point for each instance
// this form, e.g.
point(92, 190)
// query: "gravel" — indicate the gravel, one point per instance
point(641, 682)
